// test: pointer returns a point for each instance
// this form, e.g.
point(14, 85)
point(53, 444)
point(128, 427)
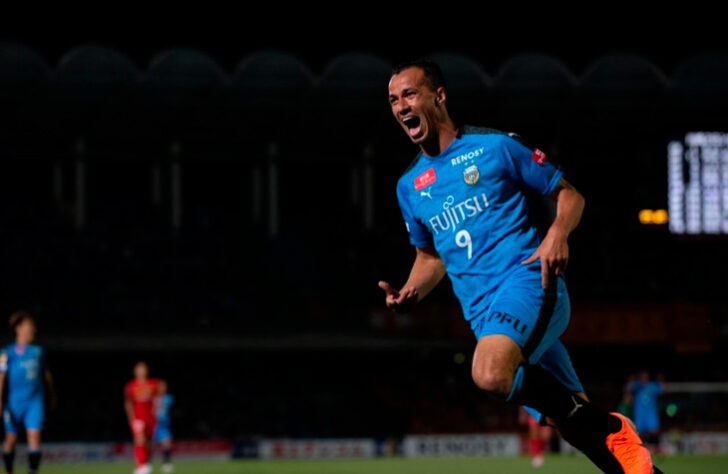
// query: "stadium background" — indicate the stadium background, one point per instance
point(224, 209)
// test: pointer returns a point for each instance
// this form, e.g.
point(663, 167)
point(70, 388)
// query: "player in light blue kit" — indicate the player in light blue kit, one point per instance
point(464, 206)
point(645, 393)
point(23, 371)
point(163, 429)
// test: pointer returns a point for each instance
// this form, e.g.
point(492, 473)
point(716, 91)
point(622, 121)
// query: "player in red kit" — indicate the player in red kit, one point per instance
point(538, 437)
point(139, 395)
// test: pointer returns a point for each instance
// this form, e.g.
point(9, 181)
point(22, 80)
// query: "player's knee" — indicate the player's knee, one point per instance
point(10, 440)
point(496, 383)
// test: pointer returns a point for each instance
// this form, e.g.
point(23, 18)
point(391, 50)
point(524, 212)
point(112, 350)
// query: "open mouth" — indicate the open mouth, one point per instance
point(412, 123)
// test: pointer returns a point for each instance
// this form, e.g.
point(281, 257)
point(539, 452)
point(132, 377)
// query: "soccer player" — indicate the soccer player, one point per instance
point(163, 431)
point(139, 395)
point(645, 393)
point(539, 437)
point(23, 370)
point(463, 203)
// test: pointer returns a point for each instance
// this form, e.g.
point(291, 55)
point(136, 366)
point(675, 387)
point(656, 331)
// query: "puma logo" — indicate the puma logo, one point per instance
point(577, 405)
point(426, 192)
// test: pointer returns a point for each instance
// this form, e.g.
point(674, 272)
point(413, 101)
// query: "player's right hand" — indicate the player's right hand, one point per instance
point(402, 300)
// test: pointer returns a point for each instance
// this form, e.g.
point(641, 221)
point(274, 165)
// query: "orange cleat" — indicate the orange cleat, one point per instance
point(627, 448)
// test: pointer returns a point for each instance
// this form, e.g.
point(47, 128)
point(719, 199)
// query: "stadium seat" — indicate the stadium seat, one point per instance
point(23, 77)
point(620, 92)
point(355, 72)
point(623, 73)
point(707, 72)
point(534, 71)
point(533, 96)
point(468, 85)
point(353, 87)
point(184, 68)
point(21, 66)
point(95, 66)
point(273, 71)
point(93, 92)
point(699, 92)
point(269, 88)
point(184, 93)
point(462, 73)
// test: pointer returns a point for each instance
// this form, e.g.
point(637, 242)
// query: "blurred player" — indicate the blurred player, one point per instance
point(645, 393)
point(23, 370)
point(139, 396)
point(539, 437)
point(163, 431)
point(464, 206)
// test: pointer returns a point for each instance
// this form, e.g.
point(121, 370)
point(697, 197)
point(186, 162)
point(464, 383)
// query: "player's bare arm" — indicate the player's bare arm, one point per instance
point(2, 387)
point(554, 249)
point(427, 271)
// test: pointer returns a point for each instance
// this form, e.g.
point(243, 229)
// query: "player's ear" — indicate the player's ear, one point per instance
point(440, 96)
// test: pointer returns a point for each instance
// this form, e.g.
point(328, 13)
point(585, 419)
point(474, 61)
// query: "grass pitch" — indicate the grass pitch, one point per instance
point(554, 465)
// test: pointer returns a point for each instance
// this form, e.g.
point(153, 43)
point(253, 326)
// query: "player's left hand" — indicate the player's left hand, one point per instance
point(553, 253)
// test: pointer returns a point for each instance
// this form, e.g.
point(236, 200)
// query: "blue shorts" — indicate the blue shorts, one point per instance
point(647, 424)
point(161, 432)
point(29, 415)
point(535, 319)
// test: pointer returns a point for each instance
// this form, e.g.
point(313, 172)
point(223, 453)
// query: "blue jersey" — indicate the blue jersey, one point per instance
point(24, 368)
point(164, 404)
point(468, 203)
point(645, 410)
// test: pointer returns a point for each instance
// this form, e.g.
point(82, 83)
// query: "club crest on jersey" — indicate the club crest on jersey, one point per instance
point(471, 175)
point(425, 179)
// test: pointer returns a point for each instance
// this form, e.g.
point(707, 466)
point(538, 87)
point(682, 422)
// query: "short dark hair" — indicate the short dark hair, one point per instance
point(18, 317)
point(432, 71)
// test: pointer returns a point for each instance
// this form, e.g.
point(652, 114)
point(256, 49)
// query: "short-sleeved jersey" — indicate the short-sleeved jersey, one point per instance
point(468, 203)
point(24, 368)
point(164, 405)
point(142, 395)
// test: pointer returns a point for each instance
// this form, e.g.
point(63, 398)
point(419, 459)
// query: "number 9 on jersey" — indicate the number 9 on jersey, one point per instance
point(463, 240)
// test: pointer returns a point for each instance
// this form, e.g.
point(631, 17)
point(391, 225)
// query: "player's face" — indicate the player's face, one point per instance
point(415, 105)
point(141, 371)
point(25, 331)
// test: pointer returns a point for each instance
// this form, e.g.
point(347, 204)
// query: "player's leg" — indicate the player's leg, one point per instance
point(550, 388)
point(534, 319)
point(555, 360)
point(495, 361)
point(33, 422)
point(163, 437)
point(522, 322)
point(33, 450)
point(498, 360)
point(11, 439)
point(535, 442)
point(167, 454)
point(141, 441)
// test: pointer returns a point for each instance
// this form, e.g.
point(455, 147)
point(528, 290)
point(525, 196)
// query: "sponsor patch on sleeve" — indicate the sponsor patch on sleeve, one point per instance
point(425, 179)
point(538, 156)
